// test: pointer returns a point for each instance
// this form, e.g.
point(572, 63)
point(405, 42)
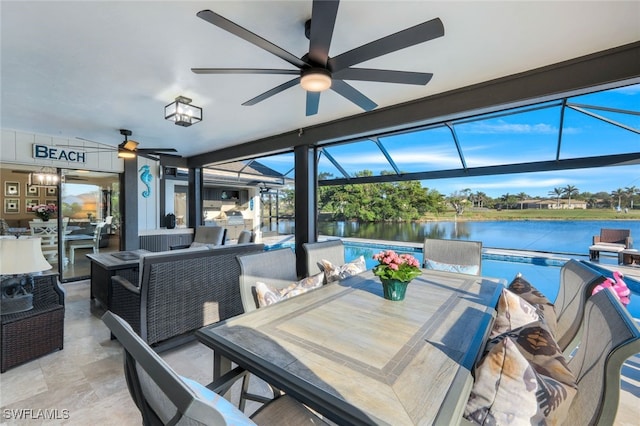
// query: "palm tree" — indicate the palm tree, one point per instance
point(618, 193)
point(570, 190)
point(557, 192)
point(480, 196)
point(522, 196)
point(506, 198)
point(631, 191)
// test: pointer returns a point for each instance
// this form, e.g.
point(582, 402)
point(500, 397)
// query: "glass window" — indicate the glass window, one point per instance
point(424, 150)
point(528, 136)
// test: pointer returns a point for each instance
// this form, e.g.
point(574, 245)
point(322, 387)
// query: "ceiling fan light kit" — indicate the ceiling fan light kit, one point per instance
point(315, 80)
point(182, 113)
point(316, 71)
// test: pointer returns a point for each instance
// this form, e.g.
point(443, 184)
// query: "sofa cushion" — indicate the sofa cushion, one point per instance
point(152, 254)
point(512, 312)
point(338, 272)
point(448, 267)
point(268, 295)
point(544, 307)
point(508, 389)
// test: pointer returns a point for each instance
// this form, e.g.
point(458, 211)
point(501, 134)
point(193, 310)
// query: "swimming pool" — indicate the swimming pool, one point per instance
point(544, 274)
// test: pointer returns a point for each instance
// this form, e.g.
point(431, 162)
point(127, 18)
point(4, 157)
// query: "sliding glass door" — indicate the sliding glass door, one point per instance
point(90, 212)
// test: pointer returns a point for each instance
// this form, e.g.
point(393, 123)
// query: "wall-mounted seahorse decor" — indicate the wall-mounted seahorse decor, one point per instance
point(146, 177)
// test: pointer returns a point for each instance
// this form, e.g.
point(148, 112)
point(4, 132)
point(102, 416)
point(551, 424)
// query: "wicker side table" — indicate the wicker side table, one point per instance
point(25, 336)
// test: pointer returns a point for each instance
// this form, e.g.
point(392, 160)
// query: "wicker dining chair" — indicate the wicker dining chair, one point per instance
point(163, 397)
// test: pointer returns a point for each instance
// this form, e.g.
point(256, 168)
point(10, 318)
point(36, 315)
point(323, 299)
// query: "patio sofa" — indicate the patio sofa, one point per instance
point(610, 240)
point(180, 291)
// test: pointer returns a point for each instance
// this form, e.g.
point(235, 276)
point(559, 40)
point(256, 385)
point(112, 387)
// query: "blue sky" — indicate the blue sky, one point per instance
point(529, 135)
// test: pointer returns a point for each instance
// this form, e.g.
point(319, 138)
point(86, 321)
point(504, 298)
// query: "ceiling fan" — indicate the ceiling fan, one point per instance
point(316, 70)
point(129, 148)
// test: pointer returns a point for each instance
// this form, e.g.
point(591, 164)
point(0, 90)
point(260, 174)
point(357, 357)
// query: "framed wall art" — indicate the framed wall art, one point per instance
point(51, 202)
point(11, 189)
point(52, 191)
point(11, 205)
point(30, 202)
point(31, 190)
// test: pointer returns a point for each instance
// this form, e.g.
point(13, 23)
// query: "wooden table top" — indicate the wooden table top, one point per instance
point(357, 358)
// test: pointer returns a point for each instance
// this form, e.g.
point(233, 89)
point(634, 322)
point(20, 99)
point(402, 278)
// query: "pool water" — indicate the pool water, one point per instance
point(545, 277)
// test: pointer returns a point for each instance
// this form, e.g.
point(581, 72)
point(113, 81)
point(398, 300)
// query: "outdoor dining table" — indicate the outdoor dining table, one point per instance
point(358, 358)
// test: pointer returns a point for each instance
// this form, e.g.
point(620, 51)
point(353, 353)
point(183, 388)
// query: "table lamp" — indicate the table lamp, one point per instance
point(19, 259)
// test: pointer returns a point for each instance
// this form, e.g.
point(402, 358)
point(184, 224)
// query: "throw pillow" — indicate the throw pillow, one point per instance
point(545, 308)
point(268, 295)
point(335, 273)
point(509, 390)
point(448, 267)
point(539, 347)
point(512, 312)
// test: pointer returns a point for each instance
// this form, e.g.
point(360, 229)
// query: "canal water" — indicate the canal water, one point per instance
point(556, 236)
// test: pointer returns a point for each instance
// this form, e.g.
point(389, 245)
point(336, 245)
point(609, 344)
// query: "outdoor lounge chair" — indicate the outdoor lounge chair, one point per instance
point(610, 337)
point(163, 397)
point(206, 235)
point(246, 237)
point(331, 250)
point(610, 240)
point(453, 255)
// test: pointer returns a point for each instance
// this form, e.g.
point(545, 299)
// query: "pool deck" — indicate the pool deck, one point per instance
point(630, 375)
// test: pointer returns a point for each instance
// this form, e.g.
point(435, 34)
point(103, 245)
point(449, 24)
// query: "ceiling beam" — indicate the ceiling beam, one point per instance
point(600, 70)
point(538, 166)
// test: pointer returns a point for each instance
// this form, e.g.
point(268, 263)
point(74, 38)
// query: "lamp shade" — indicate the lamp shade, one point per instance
point(21, 256)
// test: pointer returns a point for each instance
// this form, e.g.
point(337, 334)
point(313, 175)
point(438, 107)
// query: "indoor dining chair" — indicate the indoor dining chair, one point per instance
point(93, 243)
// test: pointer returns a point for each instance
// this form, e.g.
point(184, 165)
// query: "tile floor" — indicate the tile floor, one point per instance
point(84, 383)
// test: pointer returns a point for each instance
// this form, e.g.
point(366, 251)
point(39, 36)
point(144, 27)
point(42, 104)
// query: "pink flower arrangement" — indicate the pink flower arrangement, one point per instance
point(403, 267)
point(44, 211)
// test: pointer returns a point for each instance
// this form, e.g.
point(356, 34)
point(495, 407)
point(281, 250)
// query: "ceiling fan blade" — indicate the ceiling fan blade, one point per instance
point(313, 101)
point(400, 40)
point(157, 150)
point(274, 91)
point(237, 30)
point(384, 76)
point(323, 19)
point(243, 71)
point(352, 94)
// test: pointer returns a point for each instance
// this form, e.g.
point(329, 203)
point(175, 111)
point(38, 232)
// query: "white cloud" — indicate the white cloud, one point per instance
point(501, 126)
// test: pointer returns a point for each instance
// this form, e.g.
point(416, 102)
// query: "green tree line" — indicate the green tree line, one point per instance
point(409, 200)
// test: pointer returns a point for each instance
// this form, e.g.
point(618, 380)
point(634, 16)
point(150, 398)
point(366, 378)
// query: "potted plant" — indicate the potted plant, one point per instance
point(395, 272)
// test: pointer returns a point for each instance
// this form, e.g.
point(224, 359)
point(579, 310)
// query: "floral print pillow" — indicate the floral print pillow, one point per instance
point(512, 312)
point(528, 292)
point(508, 389)
point(268, 295)
point(335, 273)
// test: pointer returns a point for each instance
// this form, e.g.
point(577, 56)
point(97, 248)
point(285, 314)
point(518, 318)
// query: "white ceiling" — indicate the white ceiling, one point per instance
point(86, 69)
